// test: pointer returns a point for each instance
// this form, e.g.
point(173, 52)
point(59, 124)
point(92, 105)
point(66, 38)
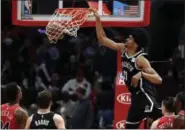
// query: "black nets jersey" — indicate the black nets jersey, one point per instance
point(129, 69)
point(143, 95)
point(43, 121)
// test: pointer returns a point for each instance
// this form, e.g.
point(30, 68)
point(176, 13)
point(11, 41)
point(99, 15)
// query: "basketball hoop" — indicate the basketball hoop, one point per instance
point(65, 21)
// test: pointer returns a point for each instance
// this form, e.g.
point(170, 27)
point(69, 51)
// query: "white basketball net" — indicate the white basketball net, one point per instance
point(66, 21)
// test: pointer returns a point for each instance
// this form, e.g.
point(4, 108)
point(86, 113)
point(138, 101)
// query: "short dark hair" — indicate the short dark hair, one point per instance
point(169, 104)
point(80, 72)
point(181, 98)
point(11, 91)
point(43, 99)
point(140, 37)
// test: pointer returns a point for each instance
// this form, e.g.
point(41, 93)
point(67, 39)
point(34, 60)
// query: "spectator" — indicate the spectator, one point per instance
point(73, 84)
point(33, 109)
point(105, 110)
point(53, 58)
point(6, 72)
point(55, 82)
point(39, 85)
point(66, 107)
point(82, 115)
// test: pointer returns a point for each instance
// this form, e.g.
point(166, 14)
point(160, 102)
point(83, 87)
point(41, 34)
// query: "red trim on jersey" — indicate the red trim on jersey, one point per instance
point(165, 122)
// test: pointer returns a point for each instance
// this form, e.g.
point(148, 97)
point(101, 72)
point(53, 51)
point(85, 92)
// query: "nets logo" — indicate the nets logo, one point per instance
point(124, 98)
point(120, 124)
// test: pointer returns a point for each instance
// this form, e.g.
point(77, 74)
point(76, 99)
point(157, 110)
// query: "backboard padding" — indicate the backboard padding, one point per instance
point(108, 21)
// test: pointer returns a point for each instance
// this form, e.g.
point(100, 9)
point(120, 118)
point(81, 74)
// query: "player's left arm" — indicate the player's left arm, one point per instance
point(148, 72)
point(21, 117)
point(154, 124)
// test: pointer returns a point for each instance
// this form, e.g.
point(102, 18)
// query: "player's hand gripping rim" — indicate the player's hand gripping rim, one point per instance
point(94, 11)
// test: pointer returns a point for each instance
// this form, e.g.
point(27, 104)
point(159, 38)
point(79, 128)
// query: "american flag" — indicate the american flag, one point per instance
point(131, 10)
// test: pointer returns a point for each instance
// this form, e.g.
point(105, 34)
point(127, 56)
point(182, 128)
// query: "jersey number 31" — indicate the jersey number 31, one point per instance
point(125, 75)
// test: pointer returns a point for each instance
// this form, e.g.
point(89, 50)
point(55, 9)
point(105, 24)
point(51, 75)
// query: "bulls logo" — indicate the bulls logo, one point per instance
point(124, 98)
point(120, 124)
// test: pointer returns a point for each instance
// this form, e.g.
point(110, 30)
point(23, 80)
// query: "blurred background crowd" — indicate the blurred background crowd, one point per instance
point(81, 65)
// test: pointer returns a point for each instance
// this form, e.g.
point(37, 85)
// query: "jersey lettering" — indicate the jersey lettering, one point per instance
point(166, 122)
point(128, 66)
point(166, 125)
point(7, 114)
point(41, 122)
point(5, 125)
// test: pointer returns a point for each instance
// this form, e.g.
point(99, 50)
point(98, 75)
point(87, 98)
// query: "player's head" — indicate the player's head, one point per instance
point(137, 40)
point(33, 108)
point(44, 99)
point(168, 105)
point(13, 92)
point(80, 75)
point(179, 101)
point(55, 78)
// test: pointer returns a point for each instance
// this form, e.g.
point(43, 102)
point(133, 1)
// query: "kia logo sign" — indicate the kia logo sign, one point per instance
point(120, 124)
point(124, 98)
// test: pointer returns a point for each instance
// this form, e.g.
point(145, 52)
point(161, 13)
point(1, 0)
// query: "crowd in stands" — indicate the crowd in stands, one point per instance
point(74, 65)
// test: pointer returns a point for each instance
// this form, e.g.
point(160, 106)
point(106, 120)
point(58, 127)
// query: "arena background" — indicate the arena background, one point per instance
point(24, 50)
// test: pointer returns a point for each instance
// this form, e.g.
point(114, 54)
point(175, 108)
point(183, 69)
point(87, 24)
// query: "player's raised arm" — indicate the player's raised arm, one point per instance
point(148, 72)
point(102, 38)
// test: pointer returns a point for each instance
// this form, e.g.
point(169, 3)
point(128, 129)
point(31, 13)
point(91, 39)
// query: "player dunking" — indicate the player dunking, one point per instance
point(12, 115)
point(44, 118)
point(168, 110)
point(138, 75)
point(179, 121)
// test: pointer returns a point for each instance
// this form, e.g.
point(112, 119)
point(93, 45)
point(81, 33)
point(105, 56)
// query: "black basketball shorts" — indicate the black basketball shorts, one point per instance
point(142, 106)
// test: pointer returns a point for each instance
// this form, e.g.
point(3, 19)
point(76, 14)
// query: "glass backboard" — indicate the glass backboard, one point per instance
point(114, 13)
